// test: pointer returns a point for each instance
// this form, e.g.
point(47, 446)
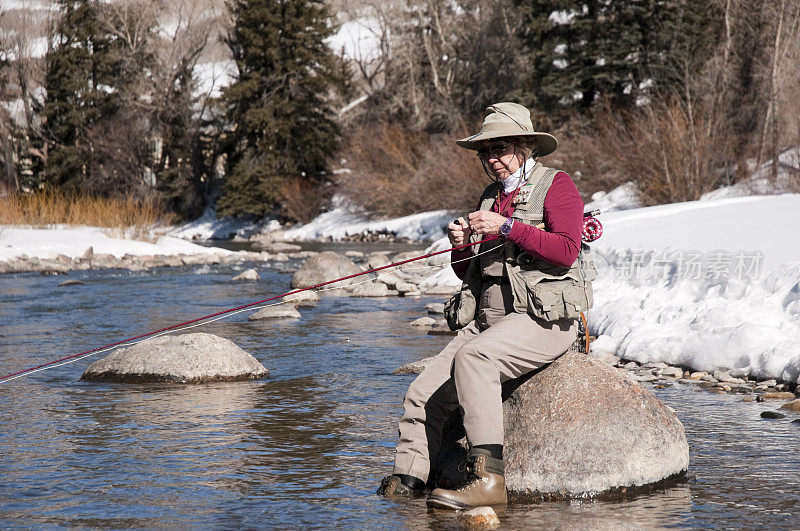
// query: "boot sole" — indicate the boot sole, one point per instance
point(438, 502)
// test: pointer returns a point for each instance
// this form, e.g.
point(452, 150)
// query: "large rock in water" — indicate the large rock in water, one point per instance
point(189, 358)
point(324, 267)
point(580, 428)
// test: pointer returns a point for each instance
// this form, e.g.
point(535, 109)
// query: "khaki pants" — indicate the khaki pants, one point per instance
point(468, 373)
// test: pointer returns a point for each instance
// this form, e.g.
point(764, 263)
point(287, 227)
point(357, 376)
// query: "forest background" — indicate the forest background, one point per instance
point(111, 100)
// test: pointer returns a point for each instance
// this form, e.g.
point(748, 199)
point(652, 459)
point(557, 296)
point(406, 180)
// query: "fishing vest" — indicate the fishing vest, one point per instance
point(542, 289)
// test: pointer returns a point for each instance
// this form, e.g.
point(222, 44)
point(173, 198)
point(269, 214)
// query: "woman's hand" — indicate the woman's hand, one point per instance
point(486, 222)
point(458, 232)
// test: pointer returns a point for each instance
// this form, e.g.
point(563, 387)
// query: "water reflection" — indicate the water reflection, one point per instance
point(307, 446)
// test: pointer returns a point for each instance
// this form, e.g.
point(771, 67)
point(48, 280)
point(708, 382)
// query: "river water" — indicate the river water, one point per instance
point(307, 446)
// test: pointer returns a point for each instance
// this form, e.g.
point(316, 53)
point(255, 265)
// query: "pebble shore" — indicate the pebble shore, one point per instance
point(89, 260)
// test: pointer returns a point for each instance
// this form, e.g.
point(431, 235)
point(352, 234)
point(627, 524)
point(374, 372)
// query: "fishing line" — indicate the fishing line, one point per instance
point(200, 321)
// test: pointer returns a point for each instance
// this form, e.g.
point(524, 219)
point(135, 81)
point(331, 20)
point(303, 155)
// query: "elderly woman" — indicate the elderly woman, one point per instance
point(517, 309)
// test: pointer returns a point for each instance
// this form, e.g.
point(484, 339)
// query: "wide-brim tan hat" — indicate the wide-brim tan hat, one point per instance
point(509, 119)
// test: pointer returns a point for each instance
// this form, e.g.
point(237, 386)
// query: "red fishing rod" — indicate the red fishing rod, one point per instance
point(18, 374)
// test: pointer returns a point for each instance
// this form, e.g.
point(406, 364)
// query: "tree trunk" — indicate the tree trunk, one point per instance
point(773, 96)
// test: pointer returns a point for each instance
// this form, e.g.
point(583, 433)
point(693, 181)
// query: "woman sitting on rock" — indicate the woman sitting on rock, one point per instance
point(517, 309)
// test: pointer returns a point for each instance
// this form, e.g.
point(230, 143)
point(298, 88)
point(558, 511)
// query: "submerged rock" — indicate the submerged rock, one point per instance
point(188, 358)
point(793, 405)
point(276, 312)
point(276, 247)
point(415, 367)
point(776, 395)
point(479, 518)
point(324, 267)
point(580, 428)
point(441, 328)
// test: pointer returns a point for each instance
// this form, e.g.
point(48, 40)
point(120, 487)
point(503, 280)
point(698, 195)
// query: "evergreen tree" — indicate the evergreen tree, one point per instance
point(582, 50)
point(180, 168)
point(78, 74)
point(278, 109)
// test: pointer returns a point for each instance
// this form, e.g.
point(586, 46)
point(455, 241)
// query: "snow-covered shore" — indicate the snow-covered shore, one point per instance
point(702, 285)
point(74, 241)
point(61, 249)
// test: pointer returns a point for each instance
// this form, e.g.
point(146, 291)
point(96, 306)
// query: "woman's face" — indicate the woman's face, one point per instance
point(501, 158)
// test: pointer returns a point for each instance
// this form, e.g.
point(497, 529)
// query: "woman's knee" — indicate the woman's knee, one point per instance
point(470, 353)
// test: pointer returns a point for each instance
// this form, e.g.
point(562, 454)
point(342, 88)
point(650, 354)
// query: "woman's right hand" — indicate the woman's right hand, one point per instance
point(457, 232)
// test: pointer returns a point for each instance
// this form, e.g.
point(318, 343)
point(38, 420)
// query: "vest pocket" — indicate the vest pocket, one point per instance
point(556, 299)
point(460, 309)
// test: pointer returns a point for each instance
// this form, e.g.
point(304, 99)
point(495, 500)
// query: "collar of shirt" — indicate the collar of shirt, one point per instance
point(513, 181)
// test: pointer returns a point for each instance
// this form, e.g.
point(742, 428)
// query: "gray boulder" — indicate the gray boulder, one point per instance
point(306, 298)
point(378, 260)
point(415, 367)
point(435, 308)
point(324, 267)
point(276, 312)
point(580, 428)
point(406, 288)
point(371, 289)
point(248, 274)
point(188, 358)
point(277, 247)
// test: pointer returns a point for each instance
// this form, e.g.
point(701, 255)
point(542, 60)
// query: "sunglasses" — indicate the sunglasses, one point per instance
point(493, 152)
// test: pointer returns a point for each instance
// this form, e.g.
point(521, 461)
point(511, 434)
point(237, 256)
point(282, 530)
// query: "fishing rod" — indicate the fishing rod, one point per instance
point(591, 231)
point(219, 315)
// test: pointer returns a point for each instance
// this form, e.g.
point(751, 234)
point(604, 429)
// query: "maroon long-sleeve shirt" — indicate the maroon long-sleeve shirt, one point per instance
point(563, 219)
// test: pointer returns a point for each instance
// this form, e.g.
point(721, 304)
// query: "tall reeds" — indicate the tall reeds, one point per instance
point(123, 216)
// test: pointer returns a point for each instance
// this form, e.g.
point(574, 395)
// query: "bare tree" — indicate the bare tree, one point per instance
point(784, 21)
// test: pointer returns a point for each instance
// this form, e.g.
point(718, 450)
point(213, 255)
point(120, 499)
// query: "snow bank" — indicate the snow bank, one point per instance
point(73, 242)
point(622, 197)
point(702, 284)
point(345, 220)
point(209, 227)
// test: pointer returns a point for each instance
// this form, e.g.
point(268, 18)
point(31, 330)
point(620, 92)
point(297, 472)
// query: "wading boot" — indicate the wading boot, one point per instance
point(401, 486)
point(486, 485)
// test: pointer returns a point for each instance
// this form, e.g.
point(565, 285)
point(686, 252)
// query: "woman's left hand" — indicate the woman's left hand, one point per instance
point(485, 222)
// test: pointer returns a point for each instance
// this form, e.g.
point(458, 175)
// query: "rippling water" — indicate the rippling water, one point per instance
point(305, 447)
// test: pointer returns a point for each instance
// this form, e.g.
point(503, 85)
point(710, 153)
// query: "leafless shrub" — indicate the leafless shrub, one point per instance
point(121, 156)
point(300, 199)
point(666, 148)
point(396, 171)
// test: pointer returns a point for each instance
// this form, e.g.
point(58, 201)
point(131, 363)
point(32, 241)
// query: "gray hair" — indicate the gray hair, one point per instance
point(527, 145)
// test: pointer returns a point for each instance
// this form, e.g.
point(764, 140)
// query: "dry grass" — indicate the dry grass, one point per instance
point(128, 216)
point(396, 171)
